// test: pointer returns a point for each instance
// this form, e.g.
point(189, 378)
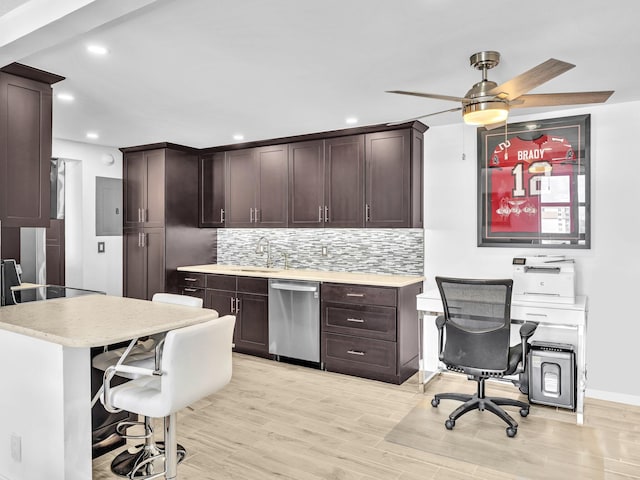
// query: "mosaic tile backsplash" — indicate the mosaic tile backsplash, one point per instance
point(367, 250)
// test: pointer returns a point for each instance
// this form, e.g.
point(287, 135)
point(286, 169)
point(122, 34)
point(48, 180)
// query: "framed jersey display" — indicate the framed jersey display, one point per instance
point(533, 184)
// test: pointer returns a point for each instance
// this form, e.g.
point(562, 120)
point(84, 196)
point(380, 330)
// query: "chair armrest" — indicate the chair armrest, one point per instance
point(111, 372)
point(526, 331)
point(440, 321)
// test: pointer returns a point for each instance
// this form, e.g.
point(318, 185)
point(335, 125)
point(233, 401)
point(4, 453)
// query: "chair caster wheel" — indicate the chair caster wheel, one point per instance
point(435, 402)
point(450, 424)
point(511, 432)
point(524, 412)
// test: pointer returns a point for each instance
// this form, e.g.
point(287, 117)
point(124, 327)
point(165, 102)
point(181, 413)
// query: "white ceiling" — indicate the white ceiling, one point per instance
point(196, 72)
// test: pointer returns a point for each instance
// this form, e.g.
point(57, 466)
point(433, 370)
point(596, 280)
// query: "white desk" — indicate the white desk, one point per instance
point(45, 369)
point(561, 323)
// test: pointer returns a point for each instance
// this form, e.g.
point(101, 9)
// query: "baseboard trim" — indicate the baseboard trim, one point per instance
point(613, 397)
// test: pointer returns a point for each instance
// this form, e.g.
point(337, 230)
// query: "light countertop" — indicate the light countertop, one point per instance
point(96, 320)
point(381, 280)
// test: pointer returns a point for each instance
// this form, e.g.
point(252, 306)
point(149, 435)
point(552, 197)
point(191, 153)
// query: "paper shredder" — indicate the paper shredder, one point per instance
point(552, 374)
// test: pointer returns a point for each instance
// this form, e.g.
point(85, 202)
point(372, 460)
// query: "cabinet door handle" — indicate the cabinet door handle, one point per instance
point(139, 215)
point(367, 210)
point(145, 214)
point(355, 320)
point(237, 305)
point(232, 301)
point(189, 289)
point(189, 279)
point(355, 295)
point(320, 213)
point(257, 215)
point(139, 241)
point(222, 215)
point(326, 213)
point(251, 215)
point(355, 352)
point(144, 240)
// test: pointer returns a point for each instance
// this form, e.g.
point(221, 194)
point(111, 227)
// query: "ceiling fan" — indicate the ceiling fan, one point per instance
point(488, 103)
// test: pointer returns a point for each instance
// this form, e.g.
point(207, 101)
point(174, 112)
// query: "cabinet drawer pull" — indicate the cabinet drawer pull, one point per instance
point(326, 213)
point(360, 295)
point(355, 320)
point(536, 314)
point(189, 279)
point(190, 289)
point(355, 352)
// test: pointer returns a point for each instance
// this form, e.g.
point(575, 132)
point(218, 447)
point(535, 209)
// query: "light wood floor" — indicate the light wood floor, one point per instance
point(280, 421)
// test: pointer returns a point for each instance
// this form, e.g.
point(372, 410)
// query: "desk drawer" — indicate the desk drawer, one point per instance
point(193, 292)
point(364, 357)
point(359, 294)
point(189, 279)
point(548, 315)
point(366, 321)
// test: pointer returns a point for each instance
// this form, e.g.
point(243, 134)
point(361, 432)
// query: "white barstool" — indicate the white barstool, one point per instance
point(142, 355)
point(196, 362)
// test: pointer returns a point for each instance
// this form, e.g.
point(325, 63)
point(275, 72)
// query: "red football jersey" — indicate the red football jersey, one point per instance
point(518, 174)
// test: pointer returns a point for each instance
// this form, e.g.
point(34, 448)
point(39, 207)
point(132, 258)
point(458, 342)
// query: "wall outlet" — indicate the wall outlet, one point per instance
point(324, 251)
point(16, 447)
point(100, 247)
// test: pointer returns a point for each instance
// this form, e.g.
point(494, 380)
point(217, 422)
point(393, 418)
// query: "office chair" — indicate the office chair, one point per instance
point(473, 338)
point(196, 363)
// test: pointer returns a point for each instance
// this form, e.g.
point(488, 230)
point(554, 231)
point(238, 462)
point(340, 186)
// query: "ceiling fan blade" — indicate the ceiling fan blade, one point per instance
point(429, 95)
point(553, 99)
point(392, 124)
point(512, 89)
point(493, 126)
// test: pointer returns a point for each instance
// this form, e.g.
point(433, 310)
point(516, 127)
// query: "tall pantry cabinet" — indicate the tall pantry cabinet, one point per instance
point(160, 207)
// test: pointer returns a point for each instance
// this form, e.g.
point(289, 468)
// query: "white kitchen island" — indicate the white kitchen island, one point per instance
point(45, 370)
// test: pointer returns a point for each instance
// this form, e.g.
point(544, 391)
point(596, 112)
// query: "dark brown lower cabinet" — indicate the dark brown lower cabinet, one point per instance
point(144, 272)
point(246, 298)
point(370, 332)
point(55, 252)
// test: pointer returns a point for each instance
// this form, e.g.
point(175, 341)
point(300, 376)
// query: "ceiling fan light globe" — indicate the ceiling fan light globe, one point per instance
point(485, 113)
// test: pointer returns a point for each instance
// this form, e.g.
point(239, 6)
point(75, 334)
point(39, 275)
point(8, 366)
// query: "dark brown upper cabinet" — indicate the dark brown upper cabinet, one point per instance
point(25, 145)
point(393, 189)
point(361, 177)
point(326, 179)
point(212, 190)
point(256, 187)
point(144, 188)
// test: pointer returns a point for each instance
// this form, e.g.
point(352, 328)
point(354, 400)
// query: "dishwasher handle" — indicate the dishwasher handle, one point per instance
point(296, 287)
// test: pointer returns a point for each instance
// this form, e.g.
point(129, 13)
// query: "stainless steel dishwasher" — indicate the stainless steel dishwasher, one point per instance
point(294, 319)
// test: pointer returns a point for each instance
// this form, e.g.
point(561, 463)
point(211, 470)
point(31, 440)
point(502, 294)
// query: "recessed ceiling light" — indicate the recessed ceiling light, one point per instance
point(93, 135)
point(65, 97)
point(97, 49)
point(238, 136)
point(351, 120)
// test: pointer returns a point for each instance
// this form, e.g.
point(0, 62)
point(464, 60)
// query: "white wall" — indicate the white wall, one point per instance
point(86, 268)
point(607, 273)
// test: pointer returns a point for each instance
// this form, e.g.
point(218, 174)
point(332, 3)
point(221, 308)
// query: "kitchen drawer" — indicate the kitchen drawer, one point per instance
point(363, 357)
point(222, 282)
point(189, 279)
point(366, 321)
point(359, 294)
point(257, 286)
point(193, 292)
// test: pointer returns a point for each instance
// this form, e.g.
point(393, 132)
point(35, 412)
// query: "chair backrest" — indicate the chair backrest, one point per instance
point(11, 279)
point(172, 298)
point(477, 323)
point(196, 361)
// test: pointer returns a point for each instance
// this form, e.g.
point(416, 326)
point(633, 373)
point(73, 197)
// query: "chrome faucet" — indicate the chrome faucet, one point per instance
point(260, 249)
point(286, 260)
